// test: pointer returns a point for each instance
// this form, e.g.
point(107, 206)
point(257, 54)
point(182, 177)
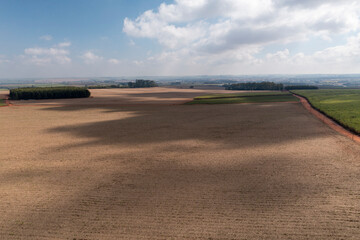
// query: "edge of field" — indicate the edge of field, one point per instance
point(2, 100)
point(353, 131)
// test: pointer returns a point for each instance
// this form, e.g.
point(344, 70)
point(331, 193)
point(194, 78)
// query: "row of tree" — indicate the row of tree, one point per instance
point(255, 86)
point(49, 93)
point(139, 83)
point(266, 86)
point(298, 87)
point(108, 86)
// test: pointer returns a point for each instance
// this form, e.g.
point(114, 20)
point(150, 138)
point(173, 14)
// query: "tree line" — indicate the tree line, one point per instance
point(139, 83)
point(265, 86)
point(108, 86)
point(297, 87)
point(48, 93)
point(255, 86)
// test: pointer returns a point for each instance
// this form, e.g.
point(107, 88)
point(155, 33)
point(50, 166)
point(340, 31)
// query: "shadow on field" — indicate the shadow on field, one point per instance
point(174, 199)
point(226, 180)
point(235, 126)
point(169, 94)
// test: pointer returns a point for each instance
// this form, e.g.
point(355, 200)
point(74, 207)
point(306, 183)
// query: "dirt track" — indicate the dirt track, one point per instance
point(163, 171)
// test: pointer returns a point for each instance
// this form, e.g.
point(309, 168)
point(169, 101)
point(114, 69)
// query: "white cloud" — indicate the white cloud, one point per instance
point(89, 57)
point(42, 56)
point(113, 61)
point(210, 33)
point(224, 24)
point(3, 59)
point(278, 56)
point(132, 43)
point(46, 51)
point(64, 44)
point(46, 37)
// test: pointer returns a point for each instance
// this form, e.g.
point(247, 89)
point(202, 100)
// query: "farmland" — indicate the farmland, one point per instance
point(341, 105)
point(245, 97)
point(138, 163)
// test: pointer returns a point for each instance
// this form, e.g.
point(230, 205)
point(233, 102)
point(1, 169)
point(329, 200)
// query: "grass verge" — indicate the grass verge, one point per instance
point(245, 97)
point(342, 105)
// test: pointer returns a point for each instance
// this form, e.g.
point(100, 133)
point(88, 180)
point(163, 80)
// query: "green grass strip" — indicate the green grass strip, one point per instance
point(246, 98)
point(342, 105)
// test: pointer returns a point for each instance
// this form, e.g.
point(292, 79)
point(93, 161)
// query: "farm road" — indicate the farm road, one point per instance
point(176, 172)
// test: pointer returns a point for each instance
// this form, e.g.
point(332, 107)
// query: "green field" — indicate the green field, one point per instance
point(244, 97)
point(343, 105)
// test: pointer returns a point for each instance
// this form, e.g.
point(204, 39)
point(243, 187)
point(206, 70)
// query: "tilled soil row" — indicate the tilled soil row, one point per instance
point(239, 171)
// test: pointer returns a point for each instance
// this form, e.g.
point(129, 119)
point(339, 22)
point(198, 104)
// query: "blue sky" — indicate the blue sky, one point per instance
point(87, 24)
point(85, 38)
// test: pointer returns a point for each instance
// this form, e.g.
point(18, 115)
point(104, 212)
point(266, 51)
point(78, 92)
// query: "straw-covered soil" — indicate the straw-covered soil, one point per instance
point(136, 166)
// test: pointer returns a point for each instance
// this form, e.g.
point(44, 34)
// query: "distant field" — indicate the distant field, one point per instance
point(341, 105)
point(244, 97)
point(30, 85)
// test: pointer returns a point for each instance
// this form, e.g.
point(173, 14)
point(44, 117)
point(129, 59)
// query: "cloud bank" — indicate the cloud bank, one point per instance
point(219, 33)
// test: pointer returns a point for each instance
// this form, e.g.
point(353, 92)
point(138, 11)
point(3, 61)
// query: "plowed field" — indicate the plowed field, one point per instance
point(135, 165)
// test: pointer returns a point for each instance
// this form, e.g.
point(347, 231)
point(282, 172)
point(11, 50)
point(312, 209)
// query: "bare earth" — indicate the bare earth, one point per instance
point(136, 166)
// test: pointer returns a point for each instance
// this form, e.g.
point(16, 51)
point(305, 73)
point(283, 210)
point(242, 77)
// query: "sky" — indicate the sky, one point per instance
point(104, 38)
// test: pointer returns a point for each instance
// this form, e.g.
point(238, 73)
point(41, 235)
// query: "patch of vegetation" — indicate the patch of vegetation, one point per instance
point(108, 86)
point(244, 98)
point(298, 87)
point(242, 94)
point(254, 86)
point(2, 102)
point(139, 83)
point(342, 105)
point(49, 93)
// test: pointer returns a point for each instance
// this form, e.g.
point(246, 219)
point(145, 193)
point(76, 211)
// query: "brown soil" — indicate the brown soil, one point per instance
point(162, 171)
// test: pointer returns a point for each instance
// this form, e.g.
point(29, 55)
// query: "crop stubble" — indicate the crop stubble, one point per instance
point(140, 171)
